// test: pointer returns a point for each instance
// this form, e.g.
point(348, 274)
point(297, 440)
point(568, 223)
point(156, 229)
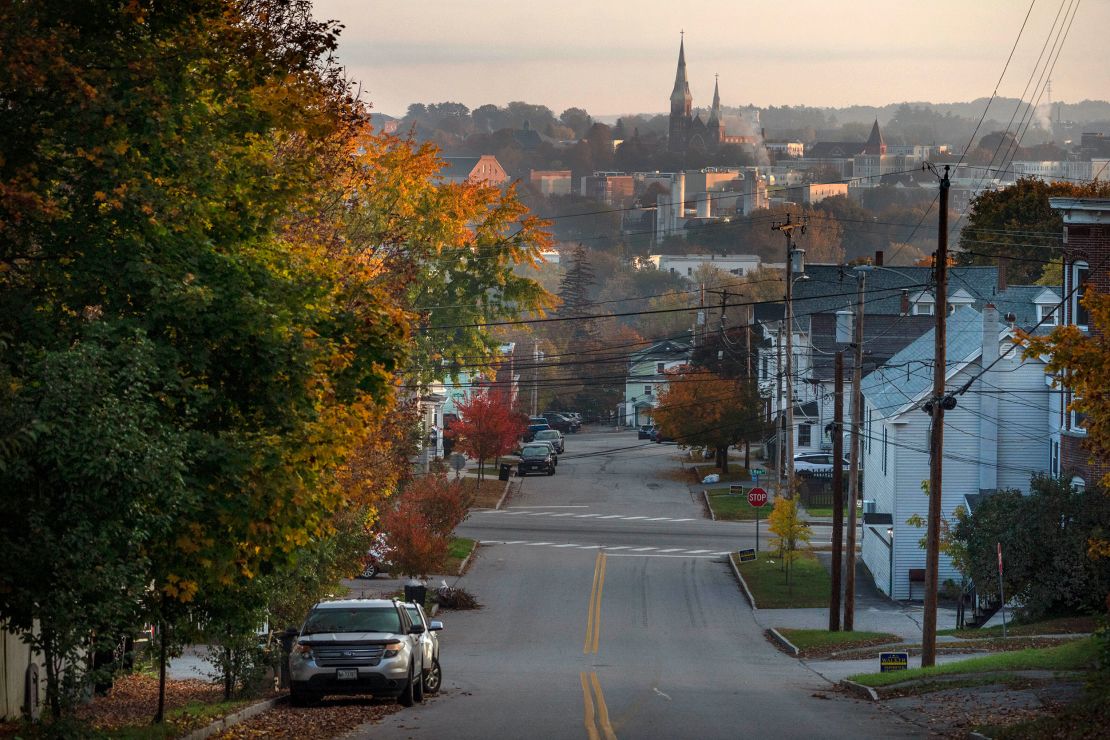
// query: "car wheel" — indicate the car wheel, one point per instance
point(369, 571)
point(406, 699)
point(433, 679)
point(551, 471)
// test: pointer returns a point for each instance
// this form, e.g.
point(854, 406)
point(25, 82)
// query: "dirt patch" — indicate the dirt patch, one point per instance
point(486, 492)
point(331, 718)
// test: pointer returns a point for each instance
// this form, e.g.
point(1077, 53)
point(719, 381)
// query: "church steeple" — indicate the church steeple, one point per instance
point(875, 143)
point(715, 111)
point(681, 93)
point(682, 102)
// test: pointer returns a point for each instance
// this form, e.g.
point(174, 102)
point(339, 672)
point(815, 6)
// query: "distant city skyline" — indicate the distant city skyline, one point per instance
point(619, 57)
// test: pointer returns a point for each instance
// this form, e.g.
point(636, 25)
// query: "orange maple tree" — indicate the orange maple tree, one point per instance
point(420, 523)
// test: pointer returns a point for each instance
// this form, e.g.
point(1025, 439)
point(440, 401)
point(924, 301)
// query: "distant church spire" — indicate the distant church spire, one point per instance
point(875, 143)
point(682, 102)
point(715, 111)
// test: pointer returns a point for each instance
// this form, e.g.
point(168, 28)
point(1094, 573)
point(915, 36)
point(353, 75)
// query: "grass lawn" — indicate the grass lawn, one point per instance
point(735, 472)
point(1071, 656)
point(1058, 626)
point(813, 642)
point(809, 582)
point(457, 551)
point(487, 494)
point(729, 507)
point(824, 511)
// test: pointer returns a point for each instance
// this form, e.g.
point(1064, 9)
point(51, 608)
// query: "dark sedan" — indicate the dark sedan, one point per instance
point(536, 459)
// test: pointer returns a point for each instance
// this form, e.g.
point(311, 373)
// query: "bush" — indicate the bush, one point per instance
point(455, 598)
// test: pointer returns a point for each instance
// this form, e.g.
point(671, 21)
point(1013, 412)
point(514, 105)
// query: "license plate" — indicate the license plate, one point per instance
point(346, 674)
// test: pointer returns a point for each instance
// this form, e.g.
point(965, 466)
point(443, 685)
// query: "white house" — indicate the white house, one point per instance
point(995, 438)
point(687, 264)
point(647, 375)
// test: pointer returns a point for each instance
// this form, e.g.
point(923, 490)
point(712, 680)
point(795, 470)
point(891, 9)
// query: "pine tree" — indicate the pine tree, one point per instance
point(574, 293)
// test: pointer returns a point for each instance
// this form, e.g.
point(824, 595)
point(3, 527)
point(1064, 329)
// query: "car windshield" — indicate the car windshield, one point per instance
point(535, 451)
point(372, 619)
point(414, 614)
point(547, 434)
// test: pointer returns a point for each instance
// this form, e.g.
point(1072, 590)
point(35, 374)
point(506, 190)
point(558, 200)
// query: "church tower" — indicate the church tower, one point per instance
point(715, 126)
point(681, 104)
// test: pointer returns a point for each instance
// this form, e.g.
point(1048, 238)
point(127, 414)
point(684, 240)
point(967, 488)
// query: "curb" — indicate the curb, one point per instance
point(504, 495)
point(233, 719)
point(705, 495)
point(860, 690)
point(468, 558)
point(743, 584)
point(781, 640)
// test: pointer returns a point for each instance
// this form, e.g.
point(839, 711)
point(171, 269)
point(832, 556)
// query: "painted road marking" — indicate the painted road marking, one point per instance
point(633, 550)
point(593, 616)
point(563, 514)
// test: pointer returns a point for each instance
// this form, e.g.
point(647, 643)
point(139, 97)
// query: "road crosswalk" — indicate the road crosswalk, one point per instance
point(574, 515)
point(640, 550)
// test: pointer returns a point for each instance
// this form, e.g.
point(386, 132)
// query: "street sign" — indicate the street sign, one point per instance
point(893, 662)
point(746, 556)
point(758, 471)
point(757, 497)
point(735, 489)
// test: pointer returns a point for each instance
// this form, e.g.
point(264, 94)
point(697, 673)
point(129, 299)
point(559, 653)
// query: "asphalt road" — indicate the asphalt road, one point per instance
point(610, 612)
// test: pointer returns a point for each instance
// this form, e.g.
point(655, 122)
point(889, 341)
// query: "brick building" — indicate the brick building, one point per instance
point(1086, 263)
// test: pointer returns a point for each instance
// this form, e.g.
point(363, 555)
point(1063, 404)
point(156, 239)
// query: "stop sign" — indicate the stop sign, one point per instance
point(757, 497)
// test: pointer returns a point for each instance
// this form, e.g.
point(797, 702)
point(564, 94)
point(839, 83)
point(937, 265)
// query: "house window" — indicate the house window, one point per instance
point(1078, 484)
point(924, 308)
point(764, 367)
point(1080, 275)
point(689, 270)
point(659, 368)
point(647, 390)
point(1055, 455)
point(1046, 314)
point(804, 435)
point(869, 426)
point(1078, 422)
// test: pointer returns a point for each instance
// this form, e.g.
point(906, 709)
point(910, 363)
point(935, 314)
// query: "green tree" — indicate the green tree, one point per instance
point(790, 531)
point(1018, 222)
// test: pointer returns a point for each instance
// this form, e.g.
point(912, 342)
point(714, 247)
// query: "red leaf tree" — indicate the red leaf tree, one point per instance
point(487, 428)
point(419, 526)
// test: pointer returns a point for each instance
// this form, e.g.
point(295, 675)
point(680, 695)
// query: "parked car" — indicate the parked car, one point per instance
point(537, 420)
point(550, 445)
point(816, 462)
point(358, 646)
point(645, 431)
point(554, 436)
point(536, 458)
point(429, 644)
point(658, 435)
point(564, 424)
point(530, 432)
point(377, 559)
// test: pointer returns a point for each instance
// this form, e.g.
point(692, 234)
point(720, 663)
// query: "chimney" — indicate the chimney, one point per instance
point(905, 303)
point(1003, 265)
point(988, 404)
point(878, 258)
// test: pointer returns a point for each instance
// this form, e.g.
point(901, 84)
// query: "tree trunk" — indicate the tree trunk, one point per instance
point(229, 668)
point(747, 455)
point(724, 460)
point(53, 691)
point(160, 713)
point(481, 469)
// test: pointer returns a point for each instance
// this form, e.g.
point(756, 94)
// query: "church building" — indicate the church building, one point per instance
point(689, 132)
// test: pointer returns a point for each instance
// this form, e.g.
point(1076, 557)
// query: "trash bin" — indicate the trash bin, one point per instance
point(505, 472)
point(416, 593)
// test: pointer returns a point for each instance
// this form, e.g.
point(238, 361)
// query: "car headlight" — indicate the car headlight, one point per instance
point(393, 648)
point(302, 650)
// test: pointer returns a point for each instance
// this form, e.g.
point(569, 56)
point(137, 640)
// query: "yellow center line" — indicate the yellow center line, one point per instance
point(588, 702)
point(602, 710)
point(593, 616)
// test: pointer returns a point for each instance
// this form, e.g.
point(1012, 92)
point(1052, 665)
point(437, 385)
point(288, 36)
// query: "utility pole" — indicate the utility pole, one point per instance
point(936, 408)
point(853, 469)
point(787, 228)
point(535, 376)
point(838, 490)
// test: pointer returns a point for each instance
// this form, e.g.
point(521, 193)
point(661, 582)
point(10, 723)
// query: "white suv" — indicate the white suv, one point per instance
point(358, 646)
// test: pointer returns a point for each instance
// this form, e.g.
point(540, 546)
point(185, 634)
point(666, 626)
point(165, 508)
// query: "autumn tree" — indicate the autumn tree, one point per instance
point(790, 531)
point(1019, 222)
point(487, 427)
point(699, 408)
point(420, 522)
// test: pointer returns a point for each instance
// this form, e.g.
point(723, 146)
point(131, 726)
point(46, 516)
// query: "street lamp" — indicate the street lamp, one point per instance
point(890, 540)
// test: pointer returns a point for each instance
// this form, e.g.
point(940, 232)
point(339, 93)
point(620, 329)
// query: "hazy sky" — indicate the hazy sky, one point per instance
point(618, 56)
